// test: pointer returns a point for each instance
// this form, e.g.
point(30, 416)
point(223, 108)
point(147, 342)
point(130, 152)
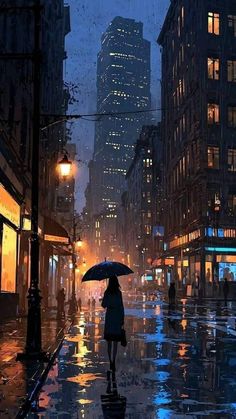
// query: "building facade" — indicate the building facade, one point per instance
point(16, 121)
point(123, 86)
point(198, 42)
point(139, 222)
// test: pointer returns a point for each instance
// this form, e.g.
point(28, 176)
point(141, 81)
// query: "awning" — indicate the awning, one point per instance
point(54, 232)
point(61, 250)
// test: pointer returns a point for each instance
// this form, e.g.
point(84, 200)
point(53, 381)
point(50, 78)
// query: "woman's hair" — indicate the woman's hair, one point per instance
point(113, 285)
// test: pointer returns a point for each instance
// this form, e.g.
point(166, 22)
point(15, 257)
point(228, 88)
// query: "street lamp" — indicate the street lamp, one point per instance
point(65, 166)
point(79, 242)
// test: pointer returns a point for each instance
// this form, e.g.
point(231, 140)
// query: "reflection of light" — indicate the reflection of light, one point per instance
point(182, 349)
point(184, 323)
point(85, 379)
point(158, 310)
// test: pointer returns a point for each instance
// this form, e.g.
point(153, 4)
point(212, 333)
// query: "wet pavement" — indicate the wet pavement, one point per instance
point(179, 362)
point(18, 378)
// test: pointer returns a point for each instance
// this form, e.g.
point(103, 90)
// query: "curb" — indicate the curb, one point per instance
point(30, 399)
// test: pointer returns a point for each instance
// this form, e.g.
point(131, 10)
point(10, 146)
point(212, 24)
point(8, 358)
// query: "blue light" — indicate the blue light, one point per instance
point(210, 231)
point(221, 249)
point(220, 232)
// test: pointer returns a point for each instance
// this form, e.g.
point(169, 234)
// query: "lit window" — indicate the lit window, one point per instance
point(8, 259)
point(213, 113)
point(213, 23)
point(213, 157)
point(232, 160)
point(232, 116)
point(213, 68)
point(231, 65)
point(232, 24)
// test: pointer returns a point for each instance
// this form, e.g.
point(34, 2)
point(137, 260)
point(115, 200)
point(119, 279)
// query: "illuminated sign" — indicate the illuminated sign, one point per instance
point(9, 207)
point(179, 241)
point(158, 231)
point(221, 249)
point(226, 258)
point(227, 233)
point(58, 239)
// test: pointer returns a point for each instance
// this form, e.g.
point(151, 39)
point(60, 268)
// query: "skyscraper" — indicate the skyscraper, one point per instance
point(123, 85)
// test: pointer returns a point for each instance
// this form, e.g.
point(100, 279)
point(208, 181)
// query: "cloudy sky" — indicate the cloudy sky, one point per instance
point(89, 20)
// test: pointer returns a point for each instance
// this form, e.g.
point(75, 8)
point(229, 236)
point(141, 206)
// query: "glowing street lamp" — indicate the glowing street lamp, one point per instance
point(65, 166)
point(79, 242)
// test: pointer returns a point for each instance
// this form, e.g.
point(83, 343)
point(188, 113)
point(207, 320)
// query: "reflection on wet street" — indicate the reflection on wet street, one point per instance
point(180, 361)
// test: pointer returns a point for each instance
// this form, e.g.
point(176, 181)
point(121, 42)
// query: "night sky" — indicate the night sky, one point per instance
point(89, 20)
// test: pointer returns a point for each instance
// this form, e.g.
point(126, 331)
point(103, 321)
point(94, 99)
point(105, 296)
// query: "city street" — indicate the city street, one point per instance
point(179, 362)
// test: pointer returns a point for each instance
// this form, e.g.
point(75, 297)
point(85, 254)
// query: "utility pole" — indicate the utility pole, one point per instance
point(33, 348)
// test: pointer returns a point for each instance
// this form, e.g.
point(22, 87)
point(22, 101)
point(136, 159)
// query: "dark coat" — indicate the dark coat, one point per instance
point(114, 319)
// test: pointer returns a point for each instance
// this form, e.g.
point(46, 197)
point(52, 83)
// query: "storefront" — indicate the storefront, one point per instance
point(9, 227)
point(203, 258)
point(57, 272)
point(163, 271)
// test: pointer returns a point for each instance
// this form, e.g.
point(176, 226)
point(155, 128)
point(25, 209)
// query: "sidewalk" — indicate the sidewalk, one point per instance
point(17, 378)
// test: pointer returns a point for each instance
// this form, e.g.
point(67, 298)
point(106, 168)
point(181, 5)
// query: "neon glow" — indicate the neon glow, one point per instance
point(221, 249)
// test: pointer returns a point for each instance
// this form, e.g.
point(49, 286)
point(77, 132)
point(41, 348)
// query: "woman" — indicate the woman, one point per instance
point(114, 321)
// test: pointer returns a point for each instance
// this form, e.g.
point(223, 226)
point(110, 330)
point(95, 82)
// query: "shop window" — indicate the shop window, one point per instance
point(232, 204)
point(232, 24)
point(232, 116)
point(208, 272)
point(213, 157)
point(232, 160)
point(213, 113)
point(8, 273)
point(213, 23)
point(213, 68)
point(231, 66)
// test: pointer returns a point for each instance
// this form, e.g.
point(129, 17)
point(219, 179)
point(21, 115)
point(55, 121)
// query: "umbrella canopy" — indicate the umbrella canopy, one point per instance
point(105, 270)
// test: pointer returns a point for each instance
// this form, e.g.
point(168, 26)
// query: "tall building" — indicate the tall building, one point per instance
point(140, 206)
point(199, 134)
point(123, 85)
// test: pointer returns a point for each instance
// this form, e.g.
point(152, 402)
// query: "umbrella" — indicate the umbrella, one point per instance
point(105, 270)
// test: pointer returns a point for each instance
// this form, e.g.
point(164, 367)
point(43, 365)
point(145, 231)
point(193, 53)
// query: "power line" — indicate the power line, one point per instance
point(96, 115)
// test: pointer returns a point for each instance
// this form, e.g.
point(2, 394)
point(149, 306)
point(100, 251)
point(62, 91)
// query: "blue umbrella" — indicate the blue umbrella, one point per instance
point(105, 270)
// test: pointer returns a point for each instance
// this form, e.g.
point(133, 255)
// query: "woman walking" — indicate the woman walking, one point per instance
point(114, 320)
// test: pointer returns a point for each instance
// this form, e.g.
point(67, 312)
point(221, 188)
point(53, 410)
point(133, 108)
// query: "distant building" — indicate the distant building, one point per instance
point(123, 85)
point(199, 135)
point(139, 217)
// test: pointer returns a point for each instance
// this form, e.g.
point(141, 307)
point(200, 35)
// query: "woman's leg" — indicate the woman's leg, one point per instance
point(115, 346)
point(109, 346)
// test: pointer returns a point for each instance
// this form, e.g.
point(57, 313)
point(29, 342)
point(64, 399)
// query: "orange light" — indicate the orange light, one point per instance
point(79, 242)
point(65, 166)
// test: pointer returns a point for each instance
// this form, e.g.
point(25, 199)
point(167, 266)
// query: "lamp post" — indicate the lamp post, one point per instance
point(33, 348)
point(65, 166)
